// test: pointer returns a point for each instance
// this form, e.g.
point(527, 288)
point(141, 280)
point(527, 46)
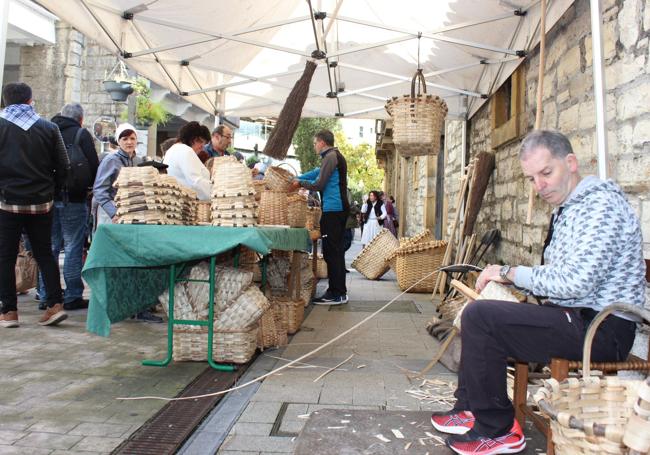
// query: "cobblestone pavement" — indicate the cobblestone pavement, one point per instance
point(58, 385)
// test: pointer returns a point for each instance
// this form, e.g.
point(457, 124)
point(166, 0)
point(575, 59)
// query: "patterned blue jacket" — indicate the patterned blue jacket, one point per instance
point(595, 257)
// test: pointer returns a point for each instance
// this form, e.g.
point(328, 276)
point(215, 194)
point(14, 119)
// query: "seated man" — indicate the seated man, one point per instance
point(592, 258)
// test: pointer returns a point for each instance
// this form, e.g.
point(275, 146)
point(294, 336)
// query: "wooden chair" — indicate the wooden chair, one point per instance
point(560, 369)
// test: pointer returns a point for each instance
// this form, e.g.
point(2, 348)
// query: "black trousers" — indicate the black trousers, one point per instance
point(332, 227)
point(39, 232)
point(492, 331)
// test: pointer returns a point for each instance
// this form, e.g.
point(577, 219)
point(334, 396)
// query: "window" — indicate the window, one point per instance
point(507, 109)
point(361, 131)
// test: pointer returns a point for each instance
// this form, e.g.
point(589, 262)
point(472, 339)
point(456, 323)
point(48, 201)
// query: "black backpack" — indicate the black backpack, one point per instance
point(80, 178)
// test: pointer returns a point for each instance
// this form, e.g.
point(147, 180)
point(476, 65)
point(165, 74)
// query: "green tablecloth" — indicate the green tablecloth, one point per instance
point(127, 265)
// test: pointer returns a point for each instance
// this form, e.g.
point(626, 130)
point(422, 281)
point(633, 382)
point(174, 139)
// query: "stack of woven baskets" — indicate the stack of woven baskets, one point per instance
point(233, 195)
point(146, 197)
point(415, 261)
point(238, 306)
point(372, 262)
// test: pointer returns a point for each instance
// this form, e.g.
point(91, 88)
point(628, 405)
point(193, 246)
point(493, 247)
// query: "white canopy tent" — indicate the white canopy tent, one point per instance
point(241, 57)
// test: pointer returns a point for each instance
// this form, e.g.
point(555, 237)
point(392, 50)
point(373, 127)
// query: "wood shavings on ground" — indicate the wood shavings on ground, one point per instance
point(398, 434)
point(434, 391)
point(408, 445)
point(332, 369)
point(382, 438)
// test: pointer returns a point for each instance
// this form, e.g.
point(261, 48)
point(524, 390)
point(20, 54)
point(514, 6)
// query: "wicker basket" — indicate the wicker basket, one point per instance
point(245, 310)
point(296, 210)
point(273, 208)
point(290, 311)
point(313, 218)
point(416, 261)
point(422, 237)
point(236, 346)
point(418, 121)
point(321, 268)
point(372, 261)
point(271, 333)
point(595, 415)
point(259, 186)
point(278, 179)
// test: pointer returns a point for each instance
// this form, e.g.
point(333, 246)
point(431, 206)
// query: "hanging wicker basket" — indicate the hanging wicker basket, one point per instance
point(372, 261)
point(313, 218)
point(418, 120)
point(273, 208)
point(595, 415)
point(414, 262)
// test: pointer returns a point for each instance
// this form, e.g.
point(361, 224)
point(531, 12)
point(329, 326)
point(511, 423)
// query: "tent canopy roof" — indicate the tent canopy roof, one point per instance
point(242, 57)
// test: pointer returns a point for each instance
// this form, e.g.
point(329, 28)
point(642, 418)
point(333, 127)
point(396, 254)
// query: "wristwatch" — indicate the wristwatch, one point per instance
point(503, 272)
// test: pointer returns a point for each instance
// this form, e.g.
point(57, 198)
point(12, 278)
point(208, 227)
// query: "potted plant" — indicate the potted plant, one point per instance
point(147, 112)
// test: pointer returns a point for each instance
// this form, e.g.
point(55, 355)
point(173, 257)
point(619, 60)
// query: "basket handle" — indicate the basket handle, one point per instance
point(422, 83)
point(295, 172)
point(600, 317)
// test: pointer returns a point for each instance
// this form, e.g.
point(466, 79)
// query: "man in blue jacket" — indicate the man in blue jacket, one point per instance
point(331, 180)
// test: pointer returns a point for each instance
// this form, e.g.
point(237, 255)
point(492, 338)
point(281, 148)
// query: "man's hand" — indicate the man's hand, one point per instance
point(489, 273)
point(295, 184)
point(115, 219)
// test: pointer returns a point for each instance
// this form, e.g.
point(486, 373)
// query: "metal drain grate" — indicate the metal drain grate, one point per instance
point(166, 431)
point(356, 306)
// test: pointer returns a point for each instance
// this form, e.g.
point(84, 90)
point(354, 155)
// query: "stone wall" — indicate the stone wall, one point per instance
point(568, 107)
point(72, 70)
point(416, 195)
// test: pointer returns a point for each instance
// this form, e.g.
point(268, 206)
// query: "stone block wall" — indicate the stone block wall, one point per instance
point(416, 195)
point(72, 70)
point(568, 106)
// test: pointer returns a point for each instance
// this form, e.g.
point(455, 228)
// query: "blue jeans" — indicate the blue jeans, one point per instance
point(69, 229)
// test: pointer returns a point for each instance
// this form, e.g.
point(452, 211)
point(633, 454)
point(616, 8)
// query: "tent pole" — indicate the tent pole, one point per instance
point(599, 87)
point(4, 20)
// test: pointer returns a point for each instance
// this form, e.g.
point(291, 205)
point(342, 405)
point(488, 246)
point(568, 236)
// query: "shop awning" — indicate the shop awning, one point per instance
point(241, 57)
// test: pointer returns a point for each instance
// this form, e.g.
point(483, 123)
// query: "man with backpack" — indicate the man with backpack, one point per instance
point(69, 225)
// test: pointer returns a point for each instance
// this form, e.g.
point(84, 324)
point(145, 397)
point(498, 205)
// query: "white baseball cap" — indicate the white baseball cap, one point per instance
point(124, 127)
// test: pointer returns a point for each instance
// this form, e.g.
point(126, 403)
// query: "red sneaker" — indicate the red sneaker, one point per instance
point(473, 443)
point(453, 422)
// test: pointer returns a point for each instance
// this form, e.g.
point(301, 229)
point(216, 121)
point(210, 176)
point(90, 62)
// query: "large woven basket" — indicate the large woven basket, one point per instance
point(245, 310)
point(290, 311)
point(236, 346)
point(594, 415)
point(278, 179)
point(418, 121)
point(372, 261)
point(273, 208)
point(422, 237)
point(271, 333)
point(414, 262)
point(296, 210)
point(259, 186)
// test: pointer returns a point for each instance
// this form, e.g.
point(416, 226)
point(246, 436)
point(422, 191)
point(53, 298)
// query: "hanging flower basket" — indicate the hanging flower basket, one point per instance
point(119, 90)
point(418, 120)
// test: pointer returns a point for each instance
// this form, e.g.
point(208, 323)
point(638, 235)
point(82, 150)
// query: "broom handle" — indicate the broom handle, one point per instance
point(540, 91)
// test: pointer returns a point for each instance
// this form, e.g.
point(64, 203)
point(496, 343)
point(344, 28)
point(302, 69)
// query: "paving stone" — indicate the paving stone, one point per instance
point(249, 428)
point(48, 441)
point(97, 444)
point(18, 450)
point(10, 436)
point(110, 430)
point(53, 426)
point(259, 443)
point(261, 412)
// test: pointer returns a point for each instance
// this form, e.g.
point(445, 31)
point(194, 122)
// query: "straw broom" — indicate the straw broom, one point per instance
point(280, 139)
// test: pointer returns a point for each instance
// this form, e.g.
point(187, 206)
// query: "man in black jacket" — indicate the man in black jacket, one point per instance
point(70, 221)
point(33, 165)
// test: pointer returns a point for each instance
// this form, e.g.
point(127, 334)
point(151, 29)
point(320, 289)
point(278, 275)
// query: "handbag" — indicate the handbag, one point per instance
point(26, 271)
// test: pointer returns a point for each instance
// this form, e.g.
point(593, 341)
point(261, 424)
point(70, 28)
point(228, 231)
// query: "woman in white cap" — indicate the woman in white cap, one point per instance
point(109, 168)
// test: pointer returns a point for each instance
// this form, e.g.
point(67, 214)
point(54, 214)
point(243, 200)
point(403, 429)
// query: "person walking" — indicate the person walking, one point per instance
point(34, 166)
point(331, 180)
point(374, 214)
